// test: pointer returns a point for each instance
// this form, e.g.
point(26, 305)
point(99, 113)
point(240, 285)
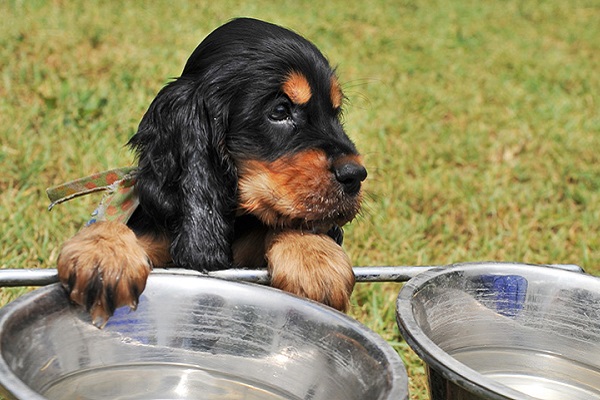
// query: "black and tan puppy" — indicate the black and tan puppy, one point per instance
point(243, 162)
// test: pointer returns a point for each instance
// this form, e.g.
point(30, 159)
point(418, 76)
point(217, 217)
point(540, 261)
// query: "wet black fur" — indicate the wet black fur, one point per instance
point(226, 106)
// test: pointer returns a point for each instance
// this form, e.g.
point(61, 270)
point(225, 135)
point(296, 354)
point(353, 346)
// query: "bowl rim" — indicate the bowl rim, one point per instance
point(11, 385)
point(436, 358)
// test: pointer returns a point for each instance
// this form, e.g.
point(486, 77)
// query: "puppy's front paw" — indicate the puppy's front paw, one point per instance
point(312, 266)
point(103, 267)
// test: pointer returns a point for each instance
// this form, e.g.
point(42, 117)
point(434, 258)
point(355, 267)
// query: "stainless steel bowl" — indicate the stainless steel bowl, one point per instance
point(501, 330)
point(194, 337)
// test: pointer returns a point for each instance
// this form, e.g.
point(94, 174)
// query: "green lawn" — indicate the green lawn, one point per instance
point(479, 122)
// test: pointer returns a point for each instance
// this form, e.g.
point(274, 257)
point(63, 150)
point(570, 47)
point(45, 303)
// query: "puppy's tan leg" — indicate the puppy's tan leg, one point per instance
point(105, 266)
point(311, 265)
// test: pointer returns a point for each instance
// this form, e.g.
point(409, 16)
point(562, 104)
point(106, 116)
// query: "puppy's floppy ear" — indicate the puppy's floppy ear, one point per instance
point(186, 181)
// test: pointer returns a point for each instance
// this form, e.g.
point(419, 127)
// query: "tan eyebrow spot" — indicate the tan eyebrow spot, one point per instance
point(297, 88)
point(336, 92)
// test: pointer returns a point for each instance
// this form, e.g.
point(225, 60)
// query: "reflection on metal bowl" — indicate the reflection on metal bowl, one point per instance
point(503, 330)
point(193, 337)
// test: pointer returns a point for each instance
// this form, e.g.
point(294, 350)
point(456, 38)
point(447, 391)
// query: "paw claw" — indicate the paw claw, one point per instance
point(99, 321)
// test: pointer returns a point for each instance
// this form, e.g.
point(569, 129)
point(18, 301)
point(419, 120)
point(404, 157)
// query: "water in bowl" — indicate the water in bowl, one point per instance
point(158, 381)
point(541, 375)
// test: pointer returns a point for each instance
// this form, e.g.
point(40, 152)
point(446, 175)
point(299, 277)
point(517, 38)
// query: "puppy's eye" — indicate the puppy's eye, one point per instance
point(280, 112)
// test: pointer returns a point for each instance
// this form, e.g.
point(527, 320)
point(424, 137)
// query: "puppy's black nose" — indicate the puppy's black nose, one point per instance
point(350, 174)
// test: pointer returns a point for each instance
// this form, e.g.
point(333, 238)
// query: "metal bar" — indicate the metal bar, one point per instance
point(27, 277)
point(42, 277)
point(389, 273)
point(361, 274)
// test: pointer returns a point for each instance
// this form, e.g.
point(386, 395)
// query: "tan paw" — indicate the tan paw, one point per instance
point(103, 267)
point(312, 266)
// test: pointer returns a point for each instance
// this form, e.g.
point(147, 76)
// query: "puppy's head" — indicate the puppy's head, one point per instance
point(251, 126)
point(296, 165)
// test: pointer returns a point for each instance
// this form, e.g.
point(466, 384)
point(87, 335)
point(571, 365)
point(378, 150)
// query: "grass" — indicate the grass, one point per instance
point(479, 122)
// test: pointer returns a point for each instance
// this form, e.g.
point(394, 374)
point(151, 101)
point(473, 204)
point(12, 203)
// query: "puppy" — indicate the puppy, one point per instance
point(242, 162)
